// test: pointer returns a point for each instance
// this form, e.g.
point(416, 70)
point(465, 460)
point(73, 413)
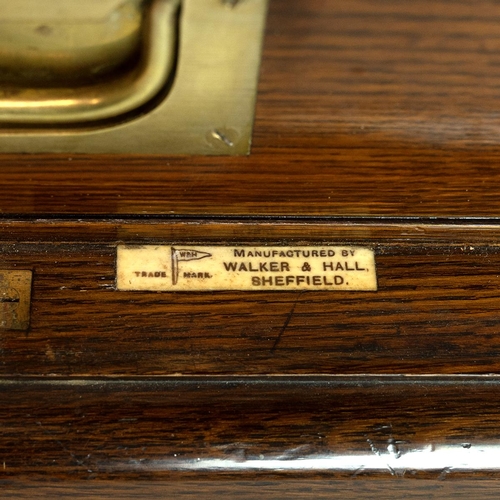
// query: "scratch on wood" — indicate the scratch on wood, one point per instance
point(285, 324)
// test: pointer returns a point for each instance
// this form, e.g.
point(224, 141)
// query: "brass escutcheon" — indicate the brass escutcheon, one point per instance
point(15, 299)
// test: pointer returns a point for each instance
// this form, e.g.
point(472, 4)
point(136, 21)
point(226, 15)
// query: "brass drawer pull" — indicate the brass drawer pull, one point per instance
point(129, 76)
point(86, 70)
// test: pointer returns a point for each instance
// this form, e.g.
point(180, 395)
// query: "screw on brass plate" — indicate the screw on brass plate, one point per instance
point(221, 136)
point(15, 299)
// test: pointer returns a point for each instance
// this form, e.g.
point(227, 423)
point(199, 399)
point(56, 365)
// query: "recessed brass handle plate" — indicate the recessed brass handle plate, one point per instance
point(129, 76)
point(83, 69)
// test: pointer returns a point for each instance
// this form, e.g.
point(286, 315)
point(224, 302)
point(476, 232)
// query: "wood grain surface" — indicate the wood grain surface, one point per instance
point(268, 438)
point(364, 108)
point(434, 311)
point(377, 124)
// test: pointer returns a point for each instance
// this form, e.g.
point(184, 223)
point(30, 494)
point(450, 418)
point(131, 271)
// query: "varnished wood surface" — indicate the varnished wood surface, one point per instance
point(335, 436)
point(325, 489)
point(376, 125)
point(250, 230)
point(364, 108)
point(385, 180)
point(435, 311)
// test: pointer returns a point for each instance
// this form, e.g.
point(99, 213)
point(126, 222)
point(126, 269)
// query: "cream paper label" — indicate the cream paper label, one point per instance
point(210, 268)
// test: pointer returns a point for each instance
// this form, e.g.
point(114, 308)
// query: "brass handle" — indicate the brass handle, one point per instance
point(142, 56)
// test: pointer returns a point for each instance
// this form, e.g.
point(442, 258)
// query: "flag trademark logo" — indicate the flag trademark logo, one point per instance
point(184, 255)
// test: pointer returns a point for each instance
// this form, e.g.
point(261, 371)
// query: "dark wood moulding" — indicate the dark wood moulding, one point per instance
point(348, 437)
